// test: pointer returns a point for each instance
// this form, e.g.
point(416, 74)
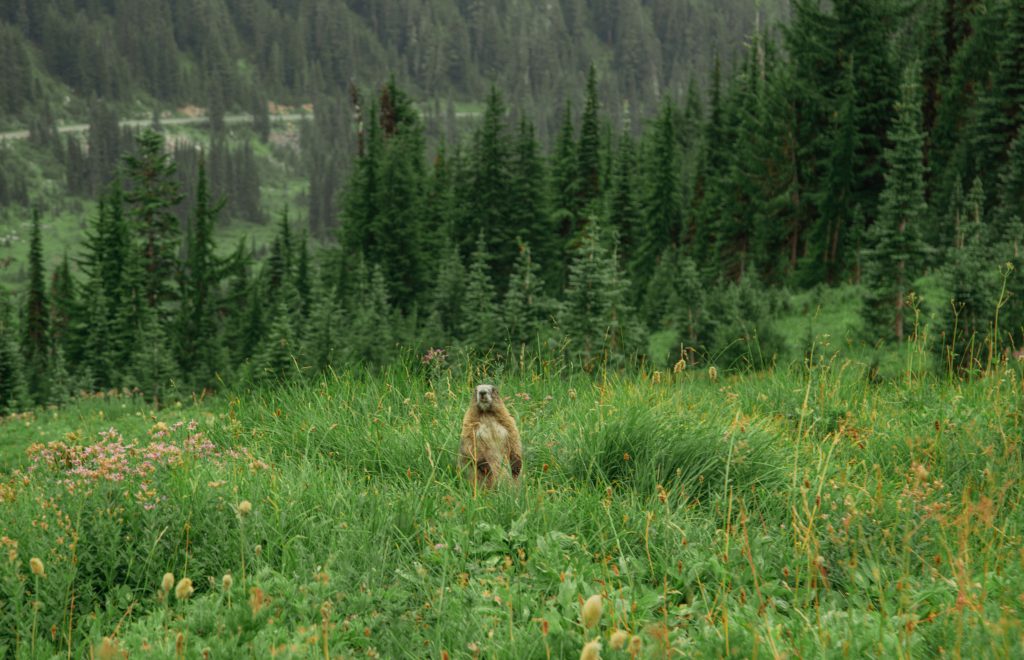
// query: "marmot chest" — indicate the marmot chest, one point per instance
point(490, 433)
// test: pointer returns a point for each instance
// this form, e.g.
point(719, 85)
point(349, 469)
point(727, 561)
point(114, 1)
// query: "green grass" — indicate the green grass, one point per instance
point(803, 511)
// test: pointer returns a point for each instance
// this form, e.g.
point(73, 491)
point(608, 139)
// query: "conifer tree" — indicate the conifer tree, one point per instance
point(152, 368)
point(527, 308)
point(480, 309)
point(896, 252)
point(490, 211)
point(623, 204)
point(275, 359)
point(589, 151)
point(36, 339)
point(565, 181)
point(448, 296)
point(63, 305)
point(199, 345)
point(152, 195)
point(14, 395)
point(662, 201)
point(370, 339)
point(528, 212)
point(322, 344)
point(595, 317)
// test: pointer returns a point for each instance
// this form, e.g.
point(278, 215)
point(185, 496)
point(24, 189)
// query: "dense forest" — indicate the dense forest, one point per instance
point(221, 54)
point(871, 142)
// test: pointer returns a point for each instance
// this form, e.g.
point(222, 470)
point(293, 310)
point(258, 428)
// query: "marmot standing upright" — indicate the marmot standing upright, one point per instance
point(490, 450)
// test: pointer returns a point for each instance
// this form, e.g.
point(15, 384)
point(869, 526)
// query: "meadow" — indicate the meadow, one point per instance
point(805, 511)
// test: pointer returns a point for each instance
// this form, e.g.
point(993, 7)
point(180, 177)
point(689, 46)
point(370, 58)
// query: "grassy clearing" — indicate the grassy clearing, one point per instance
point(803, 512)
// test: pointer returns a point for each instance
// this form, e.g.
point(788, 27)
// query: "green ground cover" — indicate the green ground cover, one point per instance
point(805, 511)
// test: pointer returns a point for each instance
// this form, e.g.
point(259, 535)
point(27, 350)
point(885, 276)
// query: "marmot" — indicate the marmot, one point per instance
point(490, 450)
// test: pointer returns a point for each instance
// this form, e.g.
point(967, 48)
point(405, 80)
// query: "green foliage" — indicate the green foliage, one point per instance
point(664, 478)
point(897, 251)
point(36, 341)
point(595, 316)
point(480, 313)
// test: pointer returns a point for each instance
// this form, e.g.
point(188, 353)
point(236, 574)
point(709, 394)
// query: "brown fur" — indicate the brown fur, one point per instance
point(490, 451)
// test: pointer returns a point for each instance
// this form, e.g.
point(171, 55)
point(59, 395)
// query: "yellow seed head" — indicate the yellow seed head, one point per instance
point(184, 589)
point(36, 564)
point(713, 373)
point(634, 645)
point(680, 366)
point(244, 508)
point(168, 582)
point(591, 650)
point(227, 581)
point(591, 613)
point(619, 639)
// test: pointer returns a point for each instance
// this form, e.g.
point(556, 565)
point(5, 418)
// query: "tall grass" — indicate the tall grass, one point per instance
point(803, 511)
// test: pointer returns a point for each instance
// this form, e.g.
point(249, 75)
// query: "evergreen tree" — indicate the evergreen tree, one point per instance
point(623, 205)
point(595, 318)
point(36, 339)
point(480, 309)
point(527, 309)
point(199, 346)
point(448, 296)
point(371, 339)
point(527, 203)
point(896, 252)
point(152, 368)
point(275, 360)
point(662, 201)
point(589, 151)
point(14, 395)
point(565, 181)
point(322, 344)
point(152, 196)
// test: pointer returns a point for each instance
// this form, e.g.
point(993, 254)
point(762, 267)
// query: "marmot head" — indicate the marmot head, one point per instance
point(485, 397)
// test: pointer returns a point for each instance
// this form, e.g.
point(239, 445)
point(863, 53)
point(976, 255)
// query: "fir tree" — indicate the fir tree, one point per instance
point(152, 368)
point(448, 297)
point(589, 152)
point(199, 347)
point(36, 340)
point(896, 251)
point(594, 317)
point(370, 339)
point(480, 309)
point(663, 200)
point(275, 360)
point(14, 395)
point(527, 308)
point(322, 344)
point(152, 196)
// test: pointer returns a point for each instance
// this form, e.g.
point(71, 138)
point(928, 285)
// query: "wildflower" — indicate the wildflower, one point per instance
point(258, 550)
point(168, 582)
point(244, 508)
point(184, 589)
point(656, 378)
point(591, 612)
point(36, 564)
point(712, 373)
point(591, 651)
point(680, 366)
point(572, 393)
point(226, 581)
point(619, 639)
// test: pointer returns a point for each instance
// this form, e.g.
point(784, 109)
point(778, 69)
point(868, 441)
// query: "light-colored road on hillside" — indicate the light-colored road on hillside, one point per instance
point(173, 121)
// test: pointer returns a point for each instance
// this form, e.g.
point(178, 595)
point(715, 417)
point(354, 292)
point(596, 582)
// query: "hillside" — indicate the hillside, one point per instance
point(232, 55)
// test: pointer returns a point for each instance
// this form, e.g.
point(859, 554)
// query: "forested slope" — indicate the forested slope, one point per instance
point(218, 52)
